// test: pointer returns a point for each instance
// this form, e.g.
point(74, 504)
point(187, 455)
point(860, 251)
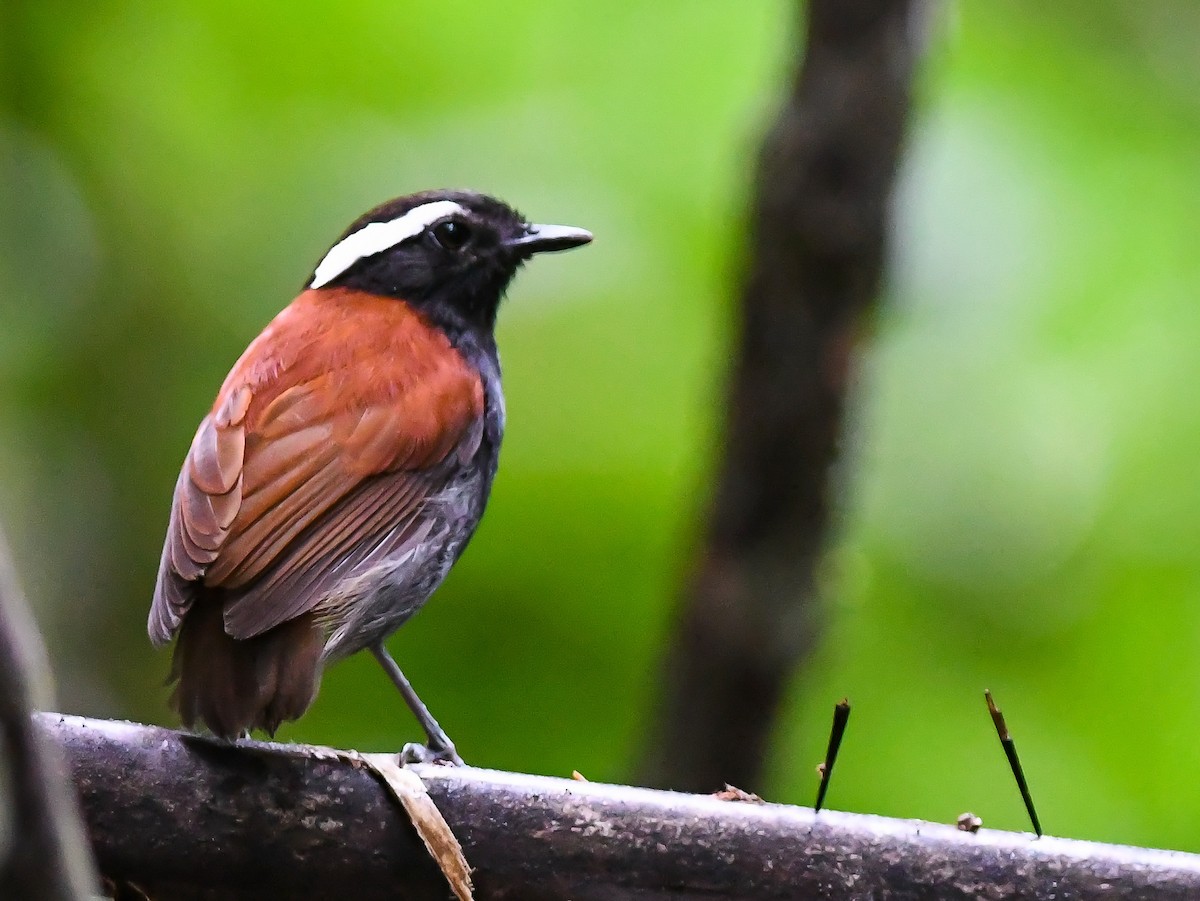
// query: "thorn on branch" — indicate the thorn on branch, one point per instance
point(841, 715)
point(1014, 762)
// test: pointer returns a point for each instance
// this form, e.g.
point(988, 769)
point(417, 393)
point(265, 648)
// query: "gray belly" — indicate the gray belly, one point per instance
point(377, 597)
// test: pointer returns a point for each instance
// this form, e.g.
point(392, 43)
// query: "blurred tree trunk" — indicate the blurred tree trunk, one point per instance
point(749, 613)
point(43, 851)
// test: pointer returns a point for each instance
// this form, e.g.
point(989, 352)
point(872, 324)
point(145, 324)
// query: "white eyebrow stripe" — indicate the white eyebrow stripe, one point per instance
point(377, 237)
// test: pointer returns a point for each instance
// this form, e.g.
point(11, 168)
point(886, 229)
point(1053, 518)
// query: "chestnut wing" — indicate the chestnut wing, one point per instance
point(282, 481)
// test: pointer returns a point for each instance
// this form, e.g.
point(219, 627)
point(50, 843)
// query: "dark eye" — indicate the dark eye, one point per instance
point(452, 235)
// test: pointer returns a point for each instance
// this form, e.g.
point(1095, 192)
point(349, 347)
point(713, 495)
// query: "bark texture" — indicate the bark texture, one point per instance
point(182, 817)
point(816, 251)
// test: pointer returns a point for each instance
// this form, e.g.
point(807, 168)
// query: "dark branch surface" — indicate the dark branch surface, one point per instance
point(184, 817)
point(816, 255)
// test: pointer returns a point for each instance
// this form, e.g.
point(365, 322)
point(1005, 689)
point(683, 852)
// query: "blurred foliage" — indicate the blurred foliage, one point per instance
point(1020, 499)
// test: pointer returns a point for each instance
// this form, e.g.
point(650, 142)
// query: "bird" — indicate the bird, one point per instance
point(344, 465)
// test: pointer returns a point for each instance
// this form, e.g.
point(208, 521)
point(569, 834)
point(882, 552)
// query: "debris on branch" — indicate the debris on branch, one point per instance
point(187, 817)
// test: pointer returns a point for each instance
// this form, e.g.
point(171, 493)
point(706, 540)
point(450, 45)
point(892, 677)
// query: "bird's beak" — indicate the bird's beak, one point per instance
point(547, 238)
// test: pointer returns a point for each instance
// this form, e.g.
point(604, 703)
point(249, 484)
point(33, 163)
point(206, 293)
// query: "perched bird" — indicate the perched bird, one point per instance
point(344, 465)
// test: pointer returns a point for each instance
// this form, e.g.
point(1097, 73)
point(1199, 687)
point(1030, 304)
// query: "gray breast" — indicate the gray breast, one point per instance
point(392, 583)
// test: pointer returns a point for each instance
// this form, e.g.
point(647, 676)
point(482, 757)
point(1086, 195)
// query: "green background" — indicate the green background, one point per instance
point(1019, 501)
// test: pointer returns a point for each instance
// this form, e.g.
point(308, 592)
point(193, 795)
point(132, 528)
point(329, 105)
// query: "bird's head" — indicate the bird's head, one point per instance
point(449, 253)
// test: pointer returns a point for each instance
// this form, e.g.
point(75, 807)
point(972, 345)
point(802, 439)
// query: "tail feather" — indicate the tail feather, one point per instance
point(233, 686)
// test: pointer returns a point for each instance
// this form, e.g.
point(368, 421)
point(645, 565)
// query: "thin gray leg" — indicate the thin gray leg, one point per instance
point(439, 748)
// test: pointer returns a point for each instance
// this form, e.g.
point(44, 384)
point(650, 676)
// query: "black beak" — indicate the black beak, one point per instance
point(548, 238)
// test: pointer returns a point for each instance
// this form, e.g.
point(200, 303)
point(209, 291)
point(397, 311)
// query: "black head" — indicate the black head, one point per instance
point(451, 253)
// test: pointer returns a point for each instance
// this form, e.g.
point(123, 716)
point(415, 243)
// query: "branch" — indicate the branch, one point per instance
point(816, 247)
point(43, 854)
point(187, 817)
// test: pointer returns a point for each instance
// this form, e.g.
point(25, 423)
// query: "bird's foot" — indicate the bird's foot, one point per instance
point(417, 753)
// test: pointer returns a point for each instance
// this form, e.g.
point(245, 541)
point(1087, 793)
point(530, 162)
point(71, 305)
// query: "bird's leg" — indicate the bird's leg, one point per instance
point(439, 749)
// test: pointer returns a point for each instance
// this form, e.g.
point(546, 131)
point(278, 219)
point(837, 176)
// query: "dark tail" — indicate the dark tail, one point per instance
point(233, 686)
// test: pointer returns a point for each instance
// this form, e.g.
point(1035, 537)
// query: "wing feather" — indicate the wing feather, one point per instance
point(384, 506)
point(208, 494)
point(326, 439)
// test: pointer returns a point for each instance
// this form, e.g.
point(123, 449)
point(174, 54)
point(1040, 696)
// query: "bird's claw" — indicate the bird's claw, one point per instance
point(414, 752)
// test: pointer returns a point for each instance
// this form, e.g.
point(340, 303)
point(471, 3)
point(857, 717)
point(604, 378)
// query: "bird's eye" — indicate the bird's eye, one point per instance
point(452, 235)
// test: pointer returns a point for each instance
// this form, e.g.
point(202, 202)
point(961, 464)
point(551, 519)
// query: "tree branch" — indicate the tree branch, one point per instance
point(816, 248)
point(187, 817)
point(43, 854)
